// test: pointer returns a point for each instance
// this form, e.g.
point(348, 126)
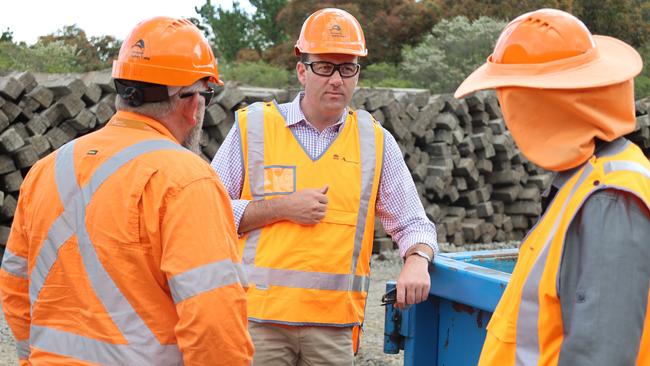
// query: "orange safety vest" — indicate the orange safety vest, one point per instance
point(526, 327)
point(319, 274)
point(105, 266)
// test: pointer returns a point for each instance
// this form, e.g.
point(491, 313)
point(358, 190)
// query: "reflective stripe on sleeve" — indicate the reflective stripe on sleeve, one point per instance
point(205, 278)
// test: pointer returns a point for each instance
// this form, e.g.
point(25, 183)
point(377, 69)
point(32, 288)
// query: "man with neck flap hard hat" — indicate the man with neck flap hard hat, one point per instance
point(109, 260)
point(307, 179)
point(579, 292)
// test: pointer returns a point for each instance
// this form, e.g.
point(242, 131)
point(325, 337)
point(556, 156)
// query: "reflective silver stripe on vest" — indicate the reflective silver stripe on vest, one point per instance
point(62, 228)
point(255, 137)
point(22, 350)
point(367, 145)
point(615, 166)
point(14, 264)
point(255, 153)
point(205, 278)
point(527, 349)
point(301, 279)
point(73, 221)
point(99, 352)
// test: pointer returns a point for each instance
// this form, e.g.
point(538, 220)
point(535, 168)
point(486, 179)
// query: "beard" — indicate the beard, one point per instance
point(193, 139)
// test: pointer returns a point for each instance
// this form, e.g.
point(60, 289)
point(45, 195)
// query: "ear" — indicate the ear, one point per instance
point(301, 72)
point(189, 108)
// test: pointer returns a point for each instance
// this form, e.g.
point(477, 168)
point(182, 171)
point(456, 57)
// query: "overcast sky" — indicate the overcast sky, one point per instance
point(29, 19)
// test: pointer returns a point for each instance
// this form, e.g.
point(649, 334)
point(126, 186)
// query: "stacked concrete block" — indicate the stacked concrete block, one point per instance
point(473, 182)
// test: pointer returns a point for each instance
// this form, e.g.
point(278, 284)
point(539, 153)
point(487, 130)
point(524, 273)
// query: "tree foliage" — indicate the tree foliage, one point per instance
point(7, 36)
point(451, 51)
point(498, 9)
point(628, 20)
point(230, 28)
point(385, 74)
point(92, 53)
point(54, 57)
point(642, 82)
point(257, 74)
point(233, 30)
point(267, 31)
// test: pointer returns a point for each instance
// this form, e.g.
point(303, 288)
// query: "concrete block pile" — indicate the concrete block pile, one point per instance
point(473, 182)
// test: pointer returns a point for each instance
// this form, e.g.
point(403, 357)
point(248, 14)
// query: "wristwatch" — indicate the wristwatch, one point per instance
point(421, 254)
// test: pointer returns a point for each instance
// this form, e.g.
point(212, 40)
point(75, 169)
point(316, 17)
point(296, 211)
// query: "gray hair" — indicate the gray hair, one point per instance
point(159, 110)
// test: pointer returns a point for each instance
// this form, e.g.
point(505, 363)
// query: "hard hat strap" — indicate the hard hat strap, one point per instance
point(139, 93)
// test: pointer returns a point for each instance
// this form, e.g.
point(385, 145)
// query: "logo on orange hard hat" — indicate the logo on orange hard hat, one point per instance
point(137, 50)
point(335, 31)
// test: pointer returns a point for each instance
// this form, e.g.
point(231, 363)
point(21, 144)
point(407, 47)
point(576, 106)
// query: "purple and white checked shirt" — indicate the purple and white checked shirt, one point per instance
point(398, 205)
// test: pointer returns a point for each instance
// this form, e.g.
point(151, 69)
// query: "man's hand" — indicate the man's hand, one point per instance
point(307, 206)
point(414, 282)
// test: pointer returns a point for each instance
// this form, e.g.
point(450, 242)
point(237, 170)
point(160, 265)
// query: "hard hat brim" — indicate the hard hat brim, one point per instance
point(612, 62)
point(316, 50)
point(162, 75)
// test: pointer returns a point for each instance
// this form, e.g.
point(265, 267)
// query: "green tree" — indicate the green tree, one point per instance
point(54, 57)
point(627, 20)
point(257, 74)
point(91, 53)
point(268, 32)
point(451, 51)
point(498, 9)
point(7, 36)
point(642, 82)
point(231, 29)
point(384, 74)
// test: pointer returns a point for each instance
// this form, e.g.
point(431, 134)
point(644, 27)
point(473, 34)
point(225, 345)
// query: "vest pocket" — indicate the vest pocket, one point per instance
point(333, 216)
point(502, 329)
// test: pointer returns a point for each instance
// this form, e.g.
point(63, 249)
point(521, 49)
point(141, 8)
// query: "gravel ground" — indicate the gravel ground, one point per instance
point(7, 344)
point(385, 267)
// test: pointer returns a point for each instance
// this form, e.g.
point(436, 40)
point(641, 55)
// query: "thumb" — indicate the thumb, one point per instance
point(324, 189)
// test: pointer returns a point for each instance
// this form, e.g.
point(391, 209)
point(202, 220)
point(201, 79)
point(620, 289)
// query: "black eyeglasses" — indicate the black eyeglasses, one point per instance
point(324, 68)
point(207, 94)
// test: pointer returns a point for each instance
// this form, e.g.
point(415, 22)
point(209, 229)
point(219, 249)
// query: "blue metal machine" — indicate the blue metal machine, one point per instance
point(449, 328)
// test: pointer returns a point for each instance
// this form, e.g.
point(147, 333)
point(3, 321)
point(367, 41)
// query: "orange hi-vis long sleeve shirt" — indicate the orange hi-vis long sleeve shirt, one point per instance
point(123, 251)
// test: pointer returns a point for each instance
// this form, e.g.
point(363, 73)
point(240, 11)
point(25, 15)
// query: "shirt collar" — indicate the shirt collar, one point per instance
point(139, 121)
point(295, 114)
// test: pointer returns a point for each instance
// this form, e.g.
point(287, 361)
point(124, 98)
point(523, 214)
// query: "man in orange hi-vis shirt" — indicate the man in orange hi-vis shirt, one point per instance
point(110, 260)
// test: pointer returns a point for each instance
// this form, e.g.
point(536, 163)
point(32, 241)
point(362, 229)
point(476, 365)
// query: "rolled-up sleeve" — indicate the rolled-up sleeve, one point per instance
point(398, 204)
point(229, 165)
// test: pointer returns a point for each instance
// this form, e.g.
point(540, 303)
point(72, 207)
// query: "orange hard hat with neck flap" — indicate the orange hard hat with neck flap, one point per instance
point(559, 86)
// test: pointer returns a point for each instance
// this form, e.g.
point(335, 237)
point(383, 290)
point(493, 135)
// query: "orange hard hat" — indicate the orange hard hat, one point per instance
point(166, 51)
point(331, 30)
point(552, 49)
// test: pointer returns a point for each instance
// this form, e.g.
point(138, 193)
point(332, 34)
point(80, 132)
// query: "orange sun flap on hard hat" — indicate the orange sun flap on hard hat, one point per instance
point(166, 51)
